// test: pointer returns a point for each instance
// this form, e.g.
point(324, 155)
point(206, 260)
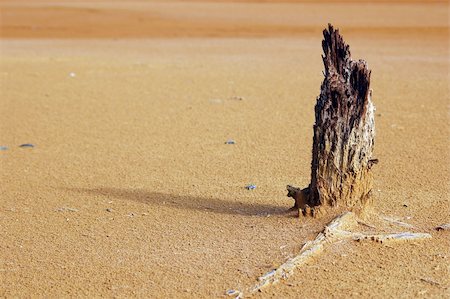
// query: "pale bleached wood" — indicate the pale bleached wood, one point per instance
point(397, 222)
point(397, 237)
point(338, 229)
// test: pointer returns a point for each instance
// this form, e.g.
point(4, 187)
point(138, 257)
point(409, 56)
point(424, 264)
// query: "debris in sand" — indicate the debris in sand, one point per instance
point(236, 98)
point(250, 187)
point(234, 293)
point(3, 148)
point(443, 227)
point(333, 232)
point(407, 236)
point(365, 224)
point(267, 275)
point(109, 210)
point(230, 141)
point(26, 145)
point(397, 222)
point(72, 75)
point(430, 281)
point(67, 209)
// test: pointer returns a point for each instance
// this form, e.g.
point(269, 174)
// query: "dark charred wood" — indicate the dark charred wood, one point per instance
point(344, 132)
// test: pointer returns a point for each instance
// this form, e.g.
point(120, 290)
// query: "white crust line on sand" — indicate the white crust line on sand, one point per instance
point(334, 231)
point(398, 222)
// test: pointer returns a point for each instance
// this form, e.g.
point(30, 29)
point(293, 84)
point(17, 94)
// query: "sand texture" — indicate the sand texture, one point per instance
point(130, 189)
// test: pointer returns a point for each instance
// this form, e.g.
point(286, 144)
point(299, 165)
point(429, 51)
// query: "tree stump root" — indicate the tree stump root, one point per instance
point(337, 230)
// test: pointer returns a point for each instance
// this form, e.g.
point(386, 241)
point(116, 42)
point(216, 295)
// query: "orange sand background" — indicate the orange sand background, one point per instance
point(131, 19)
point(131, 191)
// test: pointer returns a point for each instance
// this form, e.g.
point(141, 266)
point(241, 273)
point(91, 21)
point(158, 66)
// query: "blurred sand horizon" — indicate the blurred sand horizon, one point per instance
point(149, 19)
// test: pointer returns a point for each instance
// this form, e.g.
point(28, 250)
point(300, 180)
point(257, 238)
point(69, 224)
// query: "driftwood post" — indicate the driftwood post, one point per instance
point(344, 133)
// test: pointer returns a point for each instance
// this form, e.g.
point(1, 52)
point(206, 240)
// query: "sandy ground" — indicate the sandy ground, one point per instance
point(125, 19)
point(131, 191)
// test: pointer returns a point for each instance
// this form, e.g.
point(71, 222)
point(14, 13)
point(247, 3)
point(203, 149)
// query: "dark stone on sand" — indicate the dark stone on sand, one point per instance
point(26, 145)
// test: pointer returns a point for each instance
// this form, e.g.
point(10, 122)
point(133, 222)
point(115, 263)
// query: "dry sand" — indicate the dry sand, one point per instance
point(130, 190)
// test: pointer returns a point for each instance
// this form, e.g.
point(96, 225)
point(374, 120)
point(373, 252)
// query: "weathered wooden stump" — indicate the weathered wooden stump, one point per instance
point(344, 133)
point(341, 176)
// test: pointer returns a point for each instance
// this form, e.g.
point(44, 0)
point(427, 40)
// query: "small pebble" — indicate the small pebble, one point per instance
point(108, 210)
point(26, 145)
point(232, 292)
point(3, 148)
point(250, 187)
point(230, 141)
point(405, 205)
point(72, 74)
